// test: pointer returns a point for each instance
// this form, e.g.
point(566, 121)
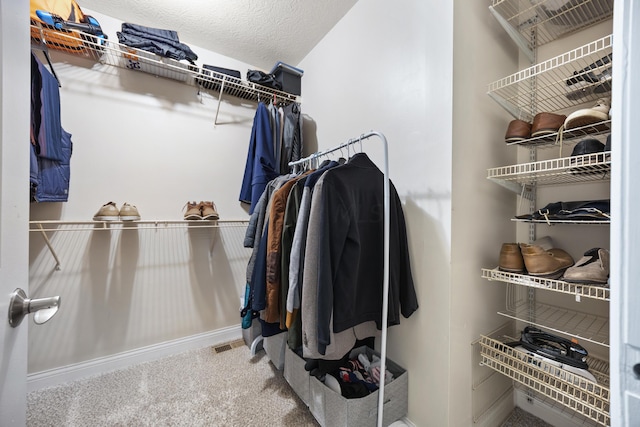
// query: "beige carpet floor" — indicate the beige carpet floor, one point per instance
point(196, 388)
point(521, 418)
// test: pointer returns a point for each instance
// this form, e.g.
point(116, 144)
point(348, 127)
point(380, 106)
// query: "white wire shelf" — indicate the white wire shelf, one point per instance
point(550, 19)
point(564, 221)
point(59, 225)
point(588, 398)
point(580, 290)
point(119, 55)
point(584, 326)
point(569, 137)
point(45, 226)
point(577, 77)
point(586, 168)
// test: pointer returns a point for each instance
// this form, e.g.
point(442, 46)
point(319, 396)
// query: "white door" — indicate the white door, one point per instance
point(625, 227)
point(14, 203)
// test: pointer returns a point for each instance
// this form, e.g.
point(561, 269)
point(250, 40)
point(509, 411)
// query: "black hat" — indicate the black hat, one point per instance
point(588, 146)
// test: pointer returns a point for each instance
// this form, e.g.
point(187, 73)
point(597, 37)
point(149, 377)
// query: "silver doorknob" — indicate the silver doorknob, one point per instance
point(20, 306)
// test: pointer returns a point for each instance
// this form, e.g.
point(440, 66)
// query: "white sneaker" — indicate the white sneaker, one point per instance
point(589, 116)
point(129, 213)
point(108, 212)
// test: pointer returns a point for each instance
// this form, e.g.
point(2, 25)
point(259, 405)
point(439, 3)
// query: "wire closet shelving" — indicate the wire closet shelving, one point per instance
point(52, 226)
point(589, 399)
point(114, 54)
point(572, 79)
point(563, 84)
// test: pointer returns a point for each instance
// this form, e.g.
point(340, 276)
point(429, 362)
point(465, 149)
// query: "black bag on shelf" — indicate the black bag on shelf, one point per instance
point(264, 79)
point(220, 70)
point(211, 76)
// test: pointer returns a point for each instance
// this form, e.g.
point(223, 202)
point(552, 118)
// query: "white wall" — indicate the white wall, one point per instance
point(151, 142)
point(387, 66)
point(483, 53)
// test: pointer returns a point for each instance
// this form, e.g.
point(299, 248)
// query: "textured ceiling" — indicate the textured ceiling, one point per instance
point(257, 32)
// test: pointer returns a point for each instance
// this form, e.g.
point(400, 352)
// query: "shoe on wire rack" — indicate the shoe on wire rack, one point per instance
point(108, 212)
point(550, 264)
point(129, 213)
point(209, 211)
point(590, 116)
point(193, 211)
point(592, 268)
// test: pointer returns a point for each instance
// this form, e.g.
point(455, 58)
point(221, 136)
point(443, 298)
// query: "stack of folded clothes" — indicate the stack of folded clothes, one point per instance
point(164, 43)
point(588, 210)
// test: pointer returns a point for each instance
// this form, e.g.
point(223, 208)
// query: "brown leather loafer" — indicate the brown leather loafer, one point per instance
point(549, 264)
point(546, 123)
point(511, 259)
point(518, 130)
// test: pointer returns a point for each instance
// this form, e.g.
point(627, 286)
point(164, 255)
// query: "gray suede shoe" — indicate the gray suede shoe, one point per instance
point(592, 268)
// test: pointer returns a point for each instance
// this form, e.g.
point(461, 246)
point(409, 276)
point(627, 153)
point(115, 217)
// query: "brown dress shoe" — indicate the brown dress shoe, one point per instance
point(546, 123)
point(511, 258)
point(518, 130)
point(549, 264)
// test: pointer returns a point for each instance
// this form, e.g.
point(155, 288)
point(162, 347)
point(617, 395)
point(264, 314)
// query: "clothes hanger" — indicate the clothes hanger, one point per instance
point(342, 160)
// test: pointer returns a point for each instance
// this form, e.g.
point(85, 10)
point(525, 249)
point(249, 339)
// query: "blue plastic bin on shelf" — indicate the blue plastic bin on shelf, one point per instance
point(289, 77)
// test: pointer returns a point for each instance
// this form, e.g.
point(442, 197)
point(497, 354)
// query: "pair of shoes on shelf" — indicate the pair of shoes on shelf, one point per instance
point(511, 259)
point(201, 211)
point(593, 79)
point(539, 259)
point(110, 212)
point(543, 124)
point(573, 13)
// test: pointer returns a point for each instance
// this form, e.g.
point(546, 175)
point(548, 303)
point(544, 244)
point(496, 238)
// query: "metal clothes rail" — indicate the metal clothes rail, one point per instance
point(385, 281)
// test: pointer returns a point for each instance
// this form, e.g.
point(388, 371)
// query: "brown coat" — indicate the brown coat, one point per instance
point(274, 249)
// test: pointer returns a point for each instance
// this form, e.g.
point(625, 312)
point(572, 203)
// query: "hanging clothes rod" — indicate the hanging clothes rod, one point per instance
point(339, 147)
point(385, 279)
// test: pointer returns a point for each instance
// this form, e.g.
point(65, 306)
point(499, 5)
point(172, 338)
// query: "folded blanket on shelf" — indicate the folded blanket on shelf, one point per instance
point(161, 42)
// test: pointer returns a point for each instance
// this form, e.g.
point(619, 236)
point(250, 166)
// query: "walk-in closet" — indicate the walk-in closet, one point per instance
point(144, 260)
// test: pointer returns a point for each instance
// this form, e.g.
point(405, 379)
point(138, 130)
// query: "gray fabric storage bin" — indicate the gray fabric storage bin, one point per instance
point(296, 375)
point(250, 334)
point(331, 409)
point(274, 346)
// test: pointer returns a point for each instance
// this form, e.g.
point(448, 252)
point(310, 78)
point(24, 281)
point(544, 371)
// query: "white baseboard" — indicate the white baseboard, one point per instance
point(498, 411)
point(402, 422)
point(57, 376)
